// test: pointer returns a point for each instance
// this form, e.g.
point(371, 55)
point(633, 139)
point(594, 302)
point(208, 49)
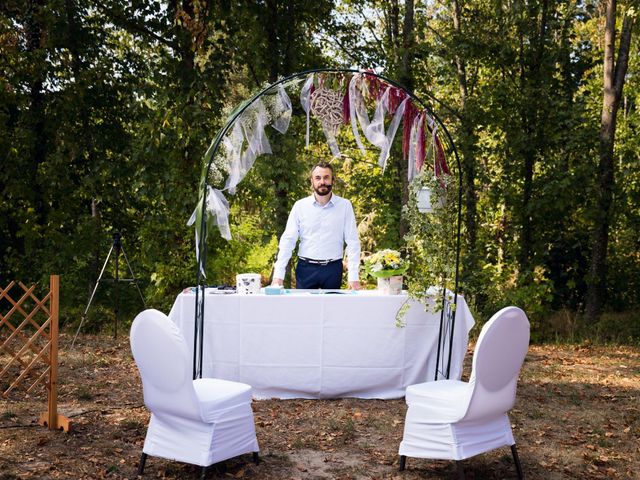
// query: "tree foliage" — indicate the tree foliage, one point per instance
point(107, 109)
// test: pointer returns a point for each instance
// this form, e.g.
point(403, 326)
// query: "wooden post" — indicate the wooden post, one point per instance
point(51, 418)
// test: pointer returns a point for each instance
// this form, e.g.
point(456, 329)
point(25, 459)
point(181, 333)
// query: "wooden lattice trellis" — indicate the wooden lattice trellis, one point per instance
point(29, 344)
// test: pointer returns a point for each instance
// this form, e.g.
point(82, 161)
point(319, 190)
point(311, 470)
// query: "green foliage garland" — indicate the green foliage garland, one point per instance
point(431, 239)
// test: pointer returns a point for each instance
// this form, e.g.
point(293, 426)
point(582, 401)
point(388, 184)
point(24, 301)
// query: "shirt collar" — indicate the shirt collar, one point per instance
point(332, 201)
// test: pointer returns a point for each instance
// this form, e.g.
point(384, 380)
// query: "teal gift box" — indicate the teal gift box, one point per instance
point(273, 290)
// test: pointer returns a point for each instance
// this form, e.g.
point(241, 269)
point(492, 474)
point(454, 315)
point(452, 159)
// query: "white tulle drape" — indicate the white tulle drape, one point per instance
point(412, 167)
point(374, 129)
point(241, 145)
point(305, 101)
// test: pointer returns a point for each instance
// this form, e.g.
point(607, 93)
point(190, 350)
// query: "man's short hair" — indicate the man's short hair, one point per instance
point(322, 164)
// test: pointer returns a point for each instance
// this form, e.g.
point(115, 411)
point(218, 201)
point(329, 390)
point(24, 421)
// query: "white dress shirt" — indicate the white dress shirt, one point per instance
point(323, 231)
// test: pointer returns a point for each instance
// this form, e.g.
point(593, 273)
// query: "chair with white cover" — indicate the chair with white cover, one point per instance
point(202, 421)
point(455, 420)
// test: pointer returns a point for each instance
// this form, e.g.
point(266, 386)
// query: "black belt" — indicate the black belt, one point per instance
point(318, 262)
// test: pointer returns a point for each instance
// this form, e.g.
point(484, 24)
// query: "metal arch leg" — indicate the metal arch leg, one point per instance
point(403, 463)
point(143, 460)
point(460, 470)
point(516, 460)
point(203, 473)
point(256, 458)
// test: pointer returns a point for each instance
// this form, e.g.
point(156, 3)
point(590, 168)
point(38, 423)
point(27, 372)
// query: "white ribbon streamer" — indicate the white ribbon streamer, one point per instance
point(412, 167)
point(217, 206)
point(249, 126)
point(434, 127)
point(373, 129)
point(374, 132)
point(358, 111)
point(331, 140)
point(253, 121)
point(233, 145)
point(391, 133)
point(305, 100)
point(282, 109)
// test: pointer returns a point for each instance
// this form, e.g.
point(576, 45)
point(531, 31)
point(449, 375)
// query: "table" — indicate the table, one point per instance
point(308, 344)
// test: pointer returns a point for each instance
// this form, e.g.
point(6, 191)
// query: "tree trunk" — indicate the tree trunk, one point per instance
point(532, 125)
point(613, 76)
point(280, 174)
point(408, 47)
point(394, 14)
point(183, 13)
point(467, 150)
point(83, 134)
point(273, 50)
point(404, 55)
point(37, 112)
point(191, 29)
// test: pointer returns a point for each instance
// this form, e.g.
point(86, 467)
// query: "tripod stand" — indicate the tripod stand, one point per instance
point(117, 246)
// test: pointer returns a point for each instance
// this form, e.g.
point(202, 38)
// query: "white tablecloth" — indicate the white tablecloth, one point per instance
point(304, 345)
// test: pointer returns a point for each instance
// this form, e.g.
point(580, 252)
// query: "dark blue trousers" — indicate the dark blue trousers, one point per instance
point(310, 275)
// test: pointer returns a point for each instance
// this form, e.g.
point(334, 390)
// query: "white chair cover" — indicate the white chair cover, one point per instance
point(454, 420)
point(200, 421)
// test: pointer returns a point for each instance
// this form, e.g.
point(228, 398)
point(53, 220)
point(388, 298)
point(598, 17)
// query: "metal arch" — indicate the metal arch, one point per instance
point(202, 247)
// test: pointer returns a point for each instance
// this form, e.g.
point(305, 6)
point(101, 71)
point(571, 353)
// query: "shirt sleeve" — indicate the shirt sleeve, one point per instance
point(287, 243)
point(353, 244)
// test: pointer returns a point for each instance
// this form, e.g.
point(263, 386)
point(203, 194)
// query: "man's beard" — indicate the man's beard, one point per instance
point(323, 190)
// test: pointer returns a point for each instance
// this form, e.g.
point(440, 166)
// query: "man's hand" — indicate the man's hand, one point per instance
point(354, 285)
point(277, 282)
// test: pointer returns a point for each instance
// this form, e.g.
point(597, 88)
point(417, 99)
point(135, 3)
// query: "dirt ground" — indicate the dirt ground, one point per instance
point(577, 416)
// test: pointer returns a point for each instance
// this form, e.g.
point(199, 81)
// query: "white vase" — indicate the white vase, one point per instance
point(390, 285)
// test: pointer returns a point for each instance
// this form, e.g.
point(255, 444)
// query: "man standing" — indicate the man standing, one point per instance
point(323, 222)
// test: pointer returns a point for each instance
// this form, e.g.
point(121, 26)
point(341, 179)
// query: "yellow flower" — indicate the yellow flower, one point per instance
point(385, 263)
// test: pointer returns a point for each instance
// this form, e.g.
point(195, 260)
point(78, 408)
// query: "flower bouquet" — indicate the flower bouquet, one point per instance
point(387, 266)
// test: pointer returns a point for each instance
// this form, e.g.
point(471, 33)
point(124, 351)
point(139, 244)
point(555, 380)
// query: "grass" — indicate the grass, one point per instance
point(83, 393)
point(8, 415)
point(613, 328)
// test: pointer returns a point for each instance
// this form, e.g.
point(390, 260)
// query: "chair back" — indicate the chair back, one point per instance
point(163, 359)
point(498, 357)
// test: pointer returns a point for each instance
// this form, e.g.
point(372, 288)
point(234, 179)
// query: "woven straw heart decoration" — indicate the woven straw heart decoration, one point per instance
point(326, 105)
